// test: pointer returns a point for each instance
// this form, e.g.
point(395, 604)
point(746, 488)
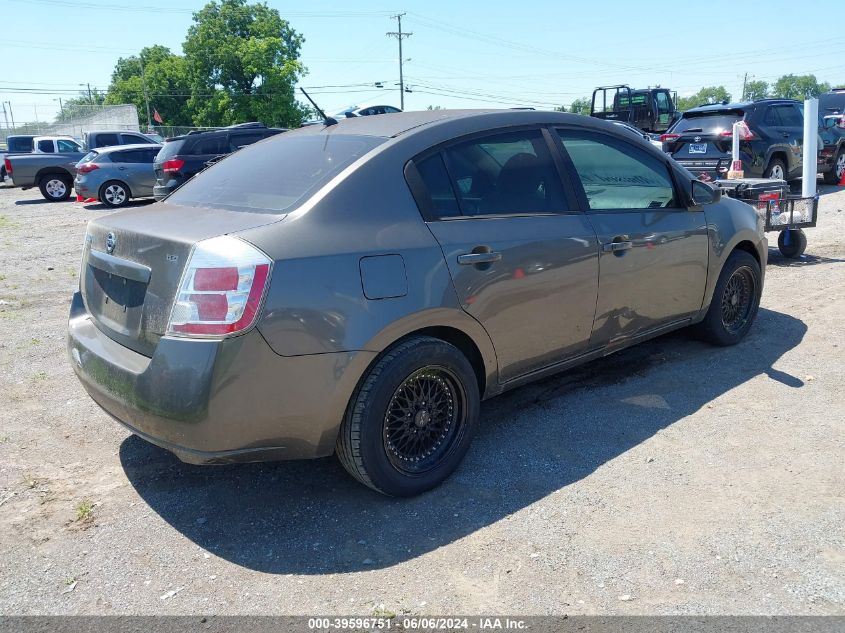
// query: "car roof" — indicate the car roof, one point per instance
point(737, 105)
point(400, 123)
point(120, 148)
point(115, 132)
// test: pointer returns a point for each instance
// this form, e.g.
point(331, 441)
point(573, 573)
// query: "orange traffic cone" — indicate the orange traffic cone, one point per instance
point(842, 179)
point(78, 198)
point(90, 200)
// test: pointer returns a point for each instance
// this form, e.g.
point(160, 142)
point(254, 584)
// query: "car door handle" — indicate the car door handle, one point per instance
point(612, 247)
point(122, 168)
point(469, 259)
point(785, 134)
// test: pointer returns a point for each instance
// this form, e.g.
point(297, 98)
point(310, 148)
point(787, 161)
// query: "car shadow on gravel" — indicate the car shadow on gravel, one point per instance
point(776, 259)
point(310, 517)
point(42, 201)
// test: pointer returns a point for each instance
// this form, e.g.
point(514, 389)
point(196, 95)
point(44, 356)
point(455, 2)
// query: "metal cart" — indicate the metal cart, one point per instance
point(786, 213)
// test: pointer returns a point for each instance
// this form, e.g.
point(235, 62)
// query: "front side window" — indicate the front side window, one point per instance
point(616, 175)
point(790, 116)
point(211, 146)
point(507, 173)
point(663, 103)
point(67, 147)
point(131, 139)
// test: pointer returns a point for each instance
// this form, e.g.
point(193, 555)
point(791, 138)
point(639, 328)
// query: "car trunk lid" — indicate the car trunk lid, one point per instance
point(133, 261)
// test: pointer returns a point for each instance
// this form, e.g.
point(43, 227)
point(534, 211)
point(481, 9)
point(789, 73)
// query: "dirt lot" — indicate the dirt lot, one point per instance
point(670, 478)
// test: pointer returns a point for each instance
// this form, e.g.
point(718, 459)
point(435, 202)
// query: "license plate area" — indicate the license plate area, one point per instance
point(698, 148)
point(115, 301)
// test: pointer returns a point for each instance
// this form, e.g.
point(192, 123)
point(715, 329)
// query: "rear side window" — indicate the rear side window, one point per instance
point(89, 157)
point(438, 187)
point(128, 156)
point(240, 140)
point(105, 140)
point(20, 144)
point(212, 145)
point(170, 149)
point(503, 174)
point(45, 146)
point(790, 116)
point(276, 176)
point(617, 175)
point(708, 123)
point(131, 139)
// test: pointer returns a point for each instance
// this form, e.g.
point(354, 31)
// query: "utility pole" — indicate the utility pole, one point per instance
point(6, 118)
point(11, 114)
point(146, 100)
point(399, 35)
point(744, 82)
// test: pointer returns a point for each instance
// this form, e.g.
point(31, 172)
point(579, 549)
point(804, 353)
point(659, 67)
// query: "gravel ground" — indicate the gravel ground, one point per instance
point(672, 478)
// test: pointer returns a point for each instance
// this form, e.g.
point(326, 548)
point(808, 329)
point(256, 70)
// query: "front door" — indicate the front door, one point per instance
point(653, 250)
point(523, 261)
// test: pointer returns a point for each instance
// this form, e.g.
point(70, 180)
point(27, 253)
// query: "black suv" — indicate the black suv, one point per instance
point(770, 147)
point(182, 157)
point(832, 133)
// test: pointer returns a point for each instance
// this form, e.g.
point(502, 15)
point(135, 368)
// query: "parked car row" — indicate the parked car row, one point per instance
point(772, 139)
point(117, 166)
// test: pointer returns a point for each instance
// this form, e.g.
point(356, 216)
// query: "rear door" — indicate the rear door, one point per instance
point(523, 259)
point(784, 124)
point(136, 165)
point(653, 250)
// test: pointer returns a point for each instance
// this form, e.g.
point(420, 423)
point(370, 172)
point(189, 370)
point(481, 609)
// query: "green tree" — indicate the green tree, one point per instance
point(243, 62)
point(799, 87)
point(168, 87)
point(582, 105)
point(560, 109)
point(755, 89)
point(710, 94)
point(81, 106)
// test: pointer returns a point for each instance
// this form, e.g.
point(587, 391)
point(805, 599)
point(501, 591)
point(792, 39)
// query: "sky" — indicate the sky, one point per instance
point(539, 53)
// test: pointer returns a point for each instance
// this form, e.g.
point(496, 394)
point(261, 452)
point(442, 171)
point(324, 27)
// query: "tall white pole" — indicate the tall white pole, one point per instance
point(811, 148)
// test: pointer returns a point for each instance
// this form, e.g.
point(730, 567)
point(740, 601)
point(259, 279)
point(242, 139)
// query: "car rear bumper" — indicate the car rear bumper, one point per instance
point(217, 401)
point(161, 191)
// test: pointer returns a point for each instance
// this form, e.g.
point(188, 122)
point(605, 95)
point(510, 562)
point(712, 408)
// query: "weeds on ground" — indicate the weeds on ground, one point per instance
point(84, 510)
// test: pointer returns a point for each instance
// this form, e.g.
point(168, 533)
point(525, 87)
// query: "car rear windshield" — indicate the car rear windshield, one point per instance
point(169, 150)
point(832, 101)
point(707, 122)
point(274, 177)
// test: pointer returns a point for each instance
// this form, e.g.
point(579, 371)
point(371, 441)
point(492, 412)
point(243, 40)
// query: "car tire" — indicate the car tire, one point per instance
point(797, 243)
point(395, 442)
point(735, 302)
point(833, 176)
point(776, 165)
point(114, 194)
point(55, 187)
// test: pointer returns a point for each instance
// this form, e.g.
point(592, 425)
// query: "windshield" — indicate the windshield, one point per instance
point(274, 176)
point(707, 122)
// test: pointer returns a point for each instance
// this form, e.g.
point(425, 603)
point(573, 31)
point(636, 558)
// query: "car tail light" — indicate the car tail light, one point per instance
point(87, 168)
point(173, 165)
point(745, 133)
point(8, 164)
point(221, 289)
point(666, 138)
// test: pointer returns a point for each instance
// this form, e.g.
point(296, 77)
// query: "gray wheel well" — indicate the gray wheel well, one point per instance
point(464, 343)
point(748, 247)
point(781, 156)
point(120, 182)
point(52, 171)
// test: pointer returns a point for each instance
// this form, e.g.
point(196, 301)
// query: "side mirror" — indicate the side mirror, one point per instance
point(702, 193)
